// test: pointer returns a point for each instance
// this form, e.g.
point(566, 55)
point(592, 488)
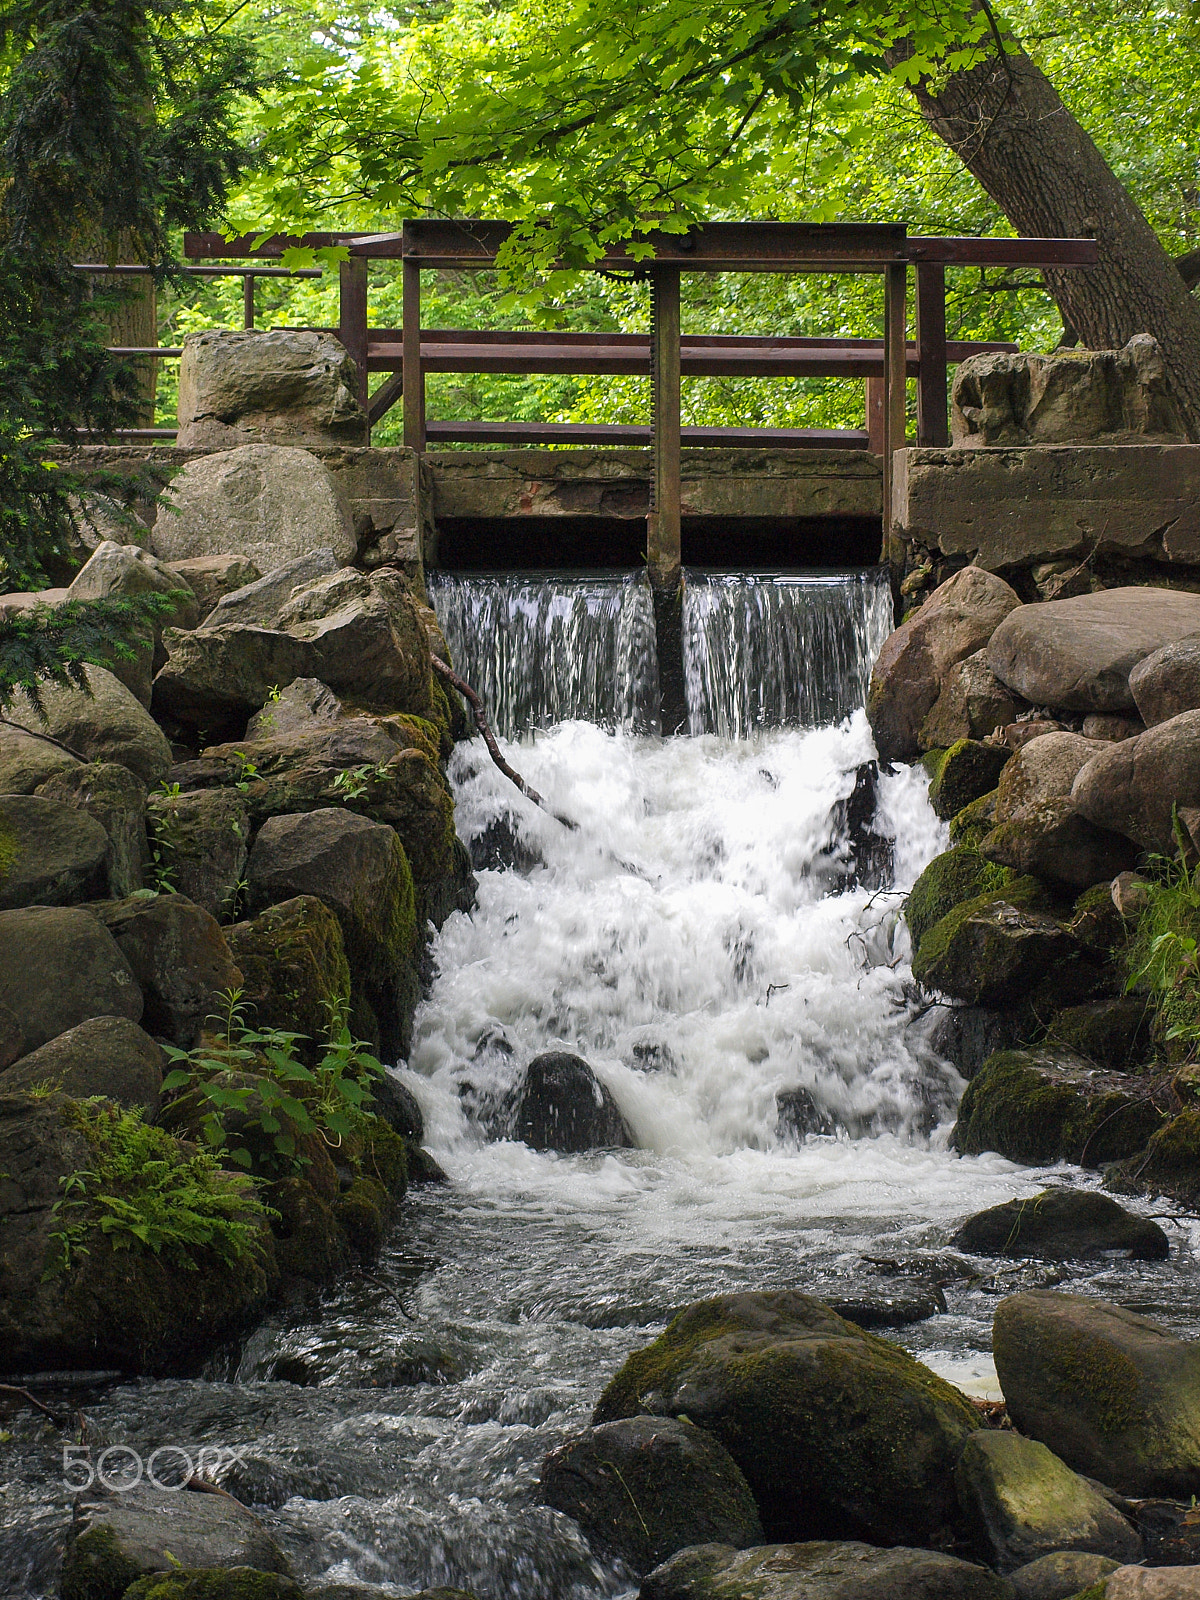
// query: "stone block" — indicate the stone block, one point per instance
point(276, 386)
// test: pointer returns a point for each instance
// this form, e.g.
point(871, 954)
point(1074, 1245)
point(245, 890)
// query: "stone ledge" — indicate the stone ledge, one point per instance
point(1012, 506)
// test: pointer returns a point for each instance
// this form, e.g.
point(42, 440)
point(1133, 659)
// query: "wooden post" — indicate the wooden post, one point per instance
point(932, 428)
point(414, 377)
point(876, 406)
point(248, 300)
point(352, 316)
point(663, 552)
point(895, 354)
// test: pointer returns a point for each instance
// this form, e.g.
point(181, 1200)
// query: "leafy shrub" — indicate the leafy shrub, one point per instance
point(1163, 955)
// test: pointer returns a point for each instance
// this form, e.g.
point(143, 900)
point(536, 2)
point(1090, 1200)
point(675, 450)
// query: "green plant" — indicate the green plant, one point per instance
point(143, 1193)
point(262, 1123)
point(1163, 955)
point(247, 771)
point(353, 782)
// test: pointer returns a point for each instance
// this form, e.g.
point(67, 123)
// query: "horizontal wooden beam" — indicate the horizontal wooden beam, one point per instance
point(1005, 252)
point(614, 433)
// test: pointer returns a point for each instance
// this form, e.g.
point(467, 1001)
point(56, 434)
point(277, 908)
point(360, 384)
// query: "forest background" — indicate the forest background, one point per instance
point(862, 153)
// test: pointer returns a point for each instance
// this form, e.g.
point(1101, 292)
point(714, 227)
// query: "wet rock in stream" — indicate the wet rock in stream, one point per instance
point(561, 1105)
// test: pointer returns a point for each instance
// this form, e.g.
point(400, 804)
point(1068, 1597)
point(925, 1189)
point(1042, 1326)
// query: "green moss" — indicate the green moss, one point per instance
point(949, 879)
point(360, 1213)
point(1096, 922)
point(969, 825)
point(9, 850)
point(96, 1568)
point(228, 1583)
point(963, 773)
point(1170, 1163)
point(1072, 1361)
point(426, 736)
point(308, 1244)
point(1110, 1033)
point(384, 1159)
point(1027, 894)
point(294, 969)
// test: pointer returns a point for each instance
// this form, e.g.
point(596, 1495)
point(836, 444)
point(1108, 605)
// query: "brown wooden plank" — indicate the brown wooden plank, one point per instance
point(1005, 252)
point(412, 358)
point(932, 427)
point(663, 542)
point(385, 397)
point(616, 434)
point(352, 319)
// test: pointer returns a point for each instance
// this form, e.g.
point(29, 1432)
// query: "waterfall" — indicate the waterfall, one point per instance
point(759, 650)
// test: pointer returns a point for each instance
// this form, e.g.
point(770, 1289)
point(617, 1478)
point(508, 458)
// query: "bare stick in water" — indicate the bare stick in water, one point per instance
point(489, 738)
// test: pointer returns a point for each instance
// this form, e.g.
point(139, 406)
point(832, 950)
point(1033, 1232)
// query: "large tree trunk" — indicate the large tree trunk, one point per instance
point(1006, 121)
point(132, 323)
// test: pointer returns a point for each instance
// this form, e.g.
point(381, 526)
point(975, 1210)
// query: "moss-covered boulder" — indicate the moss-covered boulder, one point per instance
point(1169, 1165)
point(58, 967)
point(1063, 1575)
point(1049, 839)
point(361, 1212)
point(1096, 922)
point(1062, 1225)
point(1000, 948)
point(1019, 1502)
point(294, 969)
point(963, 773)
point(644, 1487)
point(116, 799)
point(201, 842)
point(117, 1540)
point(970, 824)
point(308, 1243)
point(108, 1056)
point(838, 1432)
point(235, 1583)
point(958, 874)
point(820, 1570)
point(1113, 1394)
point(1112, 1034)
point(50, 854)
point(1046, 1105)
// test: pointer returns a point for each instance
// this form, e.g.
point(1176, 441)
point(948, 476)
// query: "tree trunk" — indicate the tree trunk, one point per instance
point(133, 322)
point(1006, 121)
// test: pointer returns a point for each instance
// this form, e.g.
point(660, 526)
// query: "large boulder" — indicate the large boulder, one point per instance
point(1043, 768)
point(214, 677)
point(274, 386)
point(964, 773)
point(116, 799)
point(26, 760)
point(956, 875)
point(306, 704)
point(1134, 787)
point(210, 577)
point(366, 637)
point(1062, 1575)
point(293, 964)
point(179, 958)
point(839, 1433)
point(957, 620)
point(1048, 1104)
point(201, 842)
point(108, 1056)
point(560, 1104)
point(1062, 1225)
point(999, 948)
point(1077, 654)
point(1113, 1394)
point(1169, 1165)
point(116, 1539)
point(58, 967)
point(820, 1571)
point(359, 870)
point(259, 602)
point(116, 571)
point(50, 853)
point(1168, 681)
point(265, 502)
point(1048, 839)
point(105, 723)
point(645, 1487)
point(1070, 397)
point(972, 703)
point(1019, 1502)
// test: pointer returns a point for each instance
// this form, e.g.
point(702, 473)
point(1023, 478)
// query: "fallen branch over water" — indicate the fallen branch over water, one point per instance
point(489, 739)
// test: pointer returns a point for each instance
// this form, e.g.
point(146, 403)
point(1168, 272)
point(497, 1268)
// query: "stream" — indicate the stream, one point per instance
point(701, 943)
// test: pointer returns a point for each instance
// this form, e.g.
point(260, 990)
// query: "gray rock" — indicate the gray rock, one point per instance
point(1136, 1583)
point(1044, 767)
point(560, 1104)
point(820, 1571)
point(1050, 840)
point(810, 1407)
point(645, 1487)
point(1061, 1575)
point(58, 967)
point(967, 1036)
point(367, 639)
point(265, 502)
point(1019, 1502)
point(235, 1583)
point(1076, 655)
point(108, 1056)
point(1113, 1394)
point(179, 957)
point(201, 840)
point(994, 952)
point(116, 1539)
point(1168, 681)
point(274, 386)
point(117, 800)
point(12, 1040)
point(126, 569)
point(50, 853)
point(106, 724)
point(1070, 397)
point(27, 761)
point(214, 677)
point(1112, 729)
point(259, 602)
point(1133, 787)
point(305, 704)
point(1062, 1225)
point(210, 577)
point(398, 1107)
point(972, 703)
point(955, 622)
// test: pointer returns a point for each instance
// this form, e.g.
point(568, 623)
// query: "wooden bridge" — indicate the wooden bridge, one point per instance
point(665, 355)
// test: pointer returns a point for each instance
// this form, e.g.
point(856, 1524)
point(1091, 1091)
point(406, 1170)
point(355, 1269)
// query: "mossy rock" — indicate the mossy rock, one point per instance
point(949, 879)
point(384, 1159)
point(229, 1583)
point(1112, 1034)
point(839, 1433)
point(1169, 1165)
point(963, 773)
point(293, 963)
point(969, 825)
point(1046, 1105)
point(308, 1243)
point(361, 1214)
point(1096, 922)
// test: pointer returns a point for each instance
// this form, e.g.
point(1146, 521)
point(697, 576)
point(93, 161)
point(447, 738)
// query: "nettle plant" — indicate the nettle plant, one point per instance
point(259, 1102)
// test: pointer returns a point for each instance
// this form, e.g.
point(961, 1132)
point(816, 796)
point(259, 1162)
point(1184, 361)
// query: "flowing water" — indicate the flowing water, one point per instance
point(701, 942)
